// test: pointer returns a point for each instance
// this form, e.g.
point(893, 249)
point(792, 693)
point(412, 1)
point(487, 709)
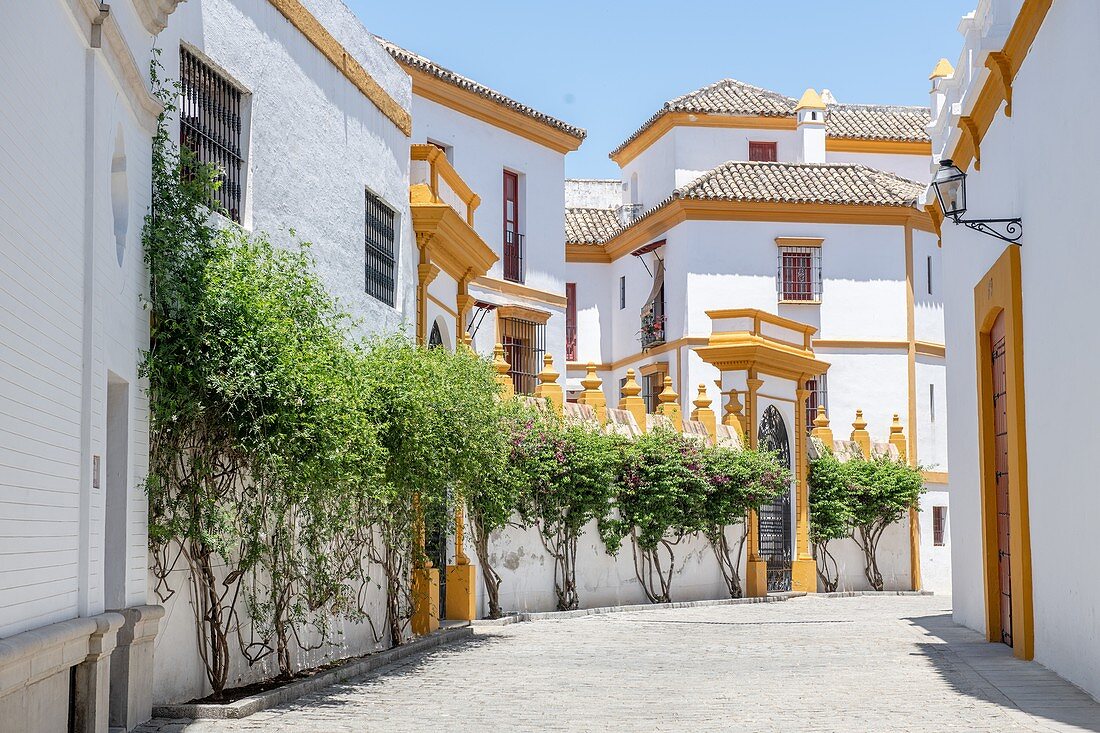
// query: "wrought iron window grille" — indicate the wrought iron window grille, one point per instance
point(524, 345)
point(798, 279)
point(380, 256)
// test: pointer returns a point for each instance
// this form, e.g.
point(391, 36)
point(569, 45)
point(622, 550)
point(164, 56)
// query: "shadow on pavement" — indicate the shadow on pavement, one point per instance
point(988, 671)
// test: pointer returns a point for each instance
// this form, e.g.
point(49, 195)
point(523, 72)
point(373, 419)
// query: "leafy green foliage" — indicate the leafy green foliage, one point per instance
point(566, 477)
point(830, 513)
point(737, 481)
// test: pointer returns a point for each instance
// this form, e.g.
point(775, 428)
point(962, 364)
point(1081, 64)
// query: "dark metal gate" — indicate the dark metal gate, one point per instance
point(775, 518)
point(1000, 455)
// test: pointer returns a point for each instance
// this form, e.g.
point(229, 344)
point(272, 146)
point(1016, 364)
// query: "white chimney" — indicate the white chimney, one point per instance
point(810, 113)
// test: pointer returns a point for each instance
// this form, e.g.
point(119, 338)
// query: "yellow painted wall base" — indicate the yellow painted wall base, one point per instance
point(804, 576)
point(756, 579)
point(425, 600)
point(461, 593)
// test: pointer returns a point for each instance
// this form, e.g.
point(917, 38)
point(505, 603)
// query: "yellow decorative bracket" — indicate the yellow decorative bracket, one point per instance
point(1000, 63)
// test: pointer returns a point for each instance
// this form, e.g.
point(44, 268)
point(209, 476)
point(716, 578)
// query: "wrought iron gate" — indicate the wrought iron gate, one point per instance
point(775, 518)
point(1000, 456)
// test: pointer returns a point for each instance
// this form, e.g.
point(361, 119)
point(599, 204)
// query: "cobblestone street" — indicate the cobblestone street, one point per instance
point(810, 664)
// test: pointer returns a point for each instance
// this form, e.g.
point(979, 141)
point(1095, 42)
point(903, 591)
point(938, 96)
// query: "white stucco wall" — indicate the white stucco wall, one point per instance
point(1050, 187)
point(593, 193)
point(71, 273)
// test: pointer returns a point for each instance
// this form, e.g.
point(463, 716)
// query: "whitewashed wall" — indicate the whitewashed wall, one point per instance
point(71, 273)
point(316, 144)
point(1051, 187)
point(593, 193)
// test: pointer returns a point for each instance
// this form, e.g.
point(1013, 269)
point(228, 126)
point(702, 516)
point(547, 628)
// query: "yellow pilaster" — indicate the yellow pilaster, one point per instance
point(860, 436)
point(593, 395)
point(703, 414)
point(548, 387)
point(670, 406)
point(461, 577)
point(803, 567)
point(821, 430)
point(756, 569)
point(425, 583)
point(898, 440)
point(503, 378)
point(631, 400)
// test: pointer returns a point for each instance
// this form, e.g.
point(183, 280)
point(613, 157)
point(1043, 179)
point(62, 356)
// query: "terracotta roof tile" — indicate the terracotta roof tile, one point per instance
point(590, 226)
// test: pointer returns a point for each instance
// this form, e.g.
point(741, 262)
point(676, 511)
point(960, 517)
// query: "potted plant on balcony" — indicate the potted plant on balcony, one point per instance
point(652, 332)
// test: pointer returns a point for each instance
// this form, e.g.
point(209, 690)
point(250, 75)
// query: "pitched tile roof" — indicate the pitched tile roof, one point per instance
point(590, 226)
point(801, 183)
point(428, 66)
point(860, 121)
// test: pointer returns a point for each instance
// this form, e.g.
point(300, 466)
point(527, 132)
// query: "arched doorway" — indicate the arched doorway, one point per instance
point(775, 517)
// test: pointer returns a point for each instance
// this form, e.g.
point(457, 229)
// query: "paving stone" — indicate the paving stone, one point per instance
point(869, 663)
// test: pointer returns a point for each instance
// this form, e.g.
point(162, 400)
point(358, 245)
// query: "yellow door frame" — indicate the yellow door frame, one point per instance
point(999, 291)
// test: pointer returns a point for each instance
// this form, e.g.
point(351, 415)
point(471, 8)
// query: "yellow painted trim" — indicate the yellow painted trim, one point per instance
point(998, 84)
point(474, 105)
point(654, 368)
point(799, 242)
point(935, 477)
point(810, 100)
point(858, 344)
point(583, 366)
point(999, 291)
point(929, 349)
point(911, 346)
point(440, 167)
point(882, 147)
point(943, 69)
point(519, 291)
point(586, 254)
point(330, 48)
point(449, 240)
point(777, 398)
point(662, 220)
point(522, 312)
point(657, 350)
point(666, 122)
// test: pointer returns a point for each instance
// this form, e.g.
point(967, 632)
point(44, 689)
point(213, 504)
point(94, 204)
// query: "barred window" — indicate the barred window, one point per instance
point(524, 344)
point(381, 258)
point(652, 386)
point(819, 396)
point(799, 277)
point(939, 525)
point(210, 126)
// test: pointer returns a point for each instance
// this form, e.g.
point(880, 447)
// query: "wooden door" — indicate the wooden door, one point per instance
point(1000, 454)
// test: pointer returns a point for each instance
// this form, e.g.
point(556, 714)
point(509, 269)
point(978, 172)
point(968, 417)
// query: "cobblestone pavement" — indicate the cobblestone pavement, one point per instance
point(884, 663)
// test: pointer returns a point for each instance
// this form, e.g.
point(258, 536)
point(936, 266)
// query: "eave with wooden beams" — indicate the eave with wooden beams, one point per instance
point(442, 208)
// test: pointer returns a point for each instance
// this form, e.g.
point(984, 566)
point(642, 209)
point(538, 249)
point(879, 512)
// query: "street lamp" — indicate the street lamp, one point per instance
point(950, 185)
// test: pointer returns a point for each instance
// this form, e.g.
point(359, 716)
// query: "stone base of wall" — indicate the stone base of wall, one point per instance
point(62, 673)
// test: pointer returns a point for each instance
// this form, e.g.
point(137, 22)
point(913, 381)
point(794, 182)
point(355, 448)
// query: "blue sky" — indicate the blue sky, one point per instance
point(608, 66)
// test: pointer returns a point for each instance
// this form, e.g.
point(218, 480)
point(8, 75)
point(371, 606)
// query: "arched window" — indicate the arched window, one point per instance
point(436, 338)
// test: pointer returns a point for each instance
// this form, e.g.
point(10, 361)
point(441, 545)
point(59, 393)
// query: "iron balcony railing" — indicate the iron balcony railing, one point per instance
point(514, 267)
point(570, 343)
point(652, 332)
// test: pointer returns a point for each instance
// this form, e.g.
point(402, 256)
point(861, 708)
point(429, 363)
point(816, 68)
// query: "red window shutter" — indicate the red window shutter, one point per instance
point(762, 152)
point(570, 321)
point(797, 276)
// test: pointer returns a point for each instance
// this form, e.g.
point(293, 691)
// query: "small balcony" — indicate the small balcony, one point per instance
point(652, 332)
point(514, 256)
point(432, 179)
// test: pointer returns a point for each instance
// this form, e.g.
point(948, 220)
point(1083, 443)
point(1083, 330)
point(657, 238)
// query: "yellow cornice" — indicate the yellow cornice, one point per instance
point(678, 210)
point(799, 241)
point(474, 105)
point(884, 147)
point(997, 88)
point(935, 477)
point(745, 351)
point(450, 242)
point(523, 312)
point(666, 122)
point(507, 287)
point(345, 63)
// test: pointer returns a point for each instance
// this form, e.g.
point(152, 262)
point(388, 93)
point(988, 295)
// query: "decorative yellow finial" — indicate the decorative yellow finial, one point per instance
point(548, 388)
point(821, 429)
point(669, 406)
point(507, 388)
point(467, 340)
point(632, 402)
point(897, 438)
point(735, 415)
point(943, 69)
point(703, 414)
point(593, 394)
point(860, 436)
point(810, 100)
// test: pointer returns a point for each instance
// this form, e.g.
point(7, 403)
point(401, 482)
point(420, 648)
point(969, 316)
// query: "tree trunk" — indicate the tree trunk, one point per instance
point(492, 579)
point(829, 577)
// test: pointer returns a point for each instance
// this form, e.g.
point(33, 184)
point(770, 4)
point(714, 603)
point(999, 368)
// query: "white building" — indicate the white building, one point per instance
point(736, 197)
point(75, 140)
point(512, 157)
point(1018, 117)
point(317, 141)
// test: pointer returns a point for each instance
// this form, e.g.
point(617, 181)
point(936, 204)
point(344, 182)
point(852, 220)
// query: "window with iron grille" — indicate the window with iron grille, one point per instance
point(210, 126)
point(513, 239)
point(939, 525)
point(799, 277)
point(524, 346)
point(381, 257)
point(652, 386)
point(818, 388)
